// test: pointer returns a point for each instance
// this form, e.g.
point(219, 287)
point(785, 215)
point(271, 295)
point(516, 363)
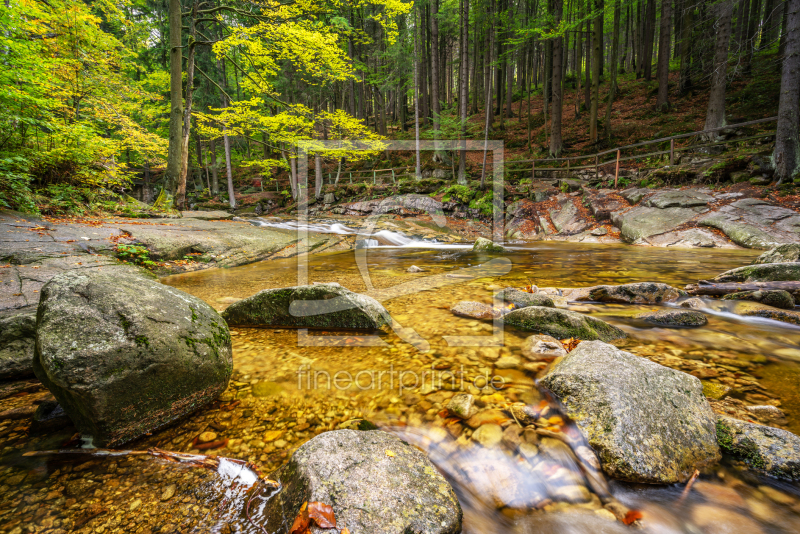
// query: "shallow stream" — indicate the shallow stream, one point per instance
point(285, 391)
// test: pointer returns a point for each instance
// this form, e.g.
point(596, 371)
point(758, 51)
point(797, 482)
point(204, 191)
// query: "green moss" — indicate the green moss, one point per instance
point(142, 341)
point(744, 448)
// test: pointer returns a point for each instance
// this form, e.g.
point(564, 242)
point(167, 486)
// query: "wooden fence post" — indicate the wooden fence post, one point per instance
point(672, 151)
point(351, 177)
point(616, 171)
point(533, 172)
point(393, 180)
point(373, 178)
point(596, 169)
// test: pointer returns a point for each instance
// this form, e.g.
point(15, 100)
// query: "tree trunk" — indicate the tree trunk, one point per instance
point(587, 97)
point(418, 174)
point(614, 64)
point(173, 171)
point(489, 59)
point(556, 144)
point(187, 111)
point(435, 63)
point(212, 148)
point(662, 102)
point(752, 33)
point(685, 83)
point(226, 140)
point(650, 27)
point(597, 43)
point(464, 93)
point(787, 143)
point(317, 176)
point(715, 115)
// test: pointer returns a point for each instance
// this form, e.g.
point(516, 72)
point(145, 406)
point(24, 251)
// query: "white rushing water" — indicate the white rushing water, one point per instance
point(381, 238)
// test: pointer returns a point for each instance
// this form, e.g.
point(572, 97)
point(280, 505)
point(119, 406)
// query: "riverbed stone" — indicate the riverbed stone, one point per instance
point(775, 298)
point(312, 306)
point(755, 223)
point(542, 348)
point(786, 253)
point(522, 299)
point(125, 355)
point(642, 222)
point(635, 293)
point(374, 481)
point(474, 310)
point(462, 405)
point(762, 272)
point(773, 451)
point(678, 198)
point(562, 324)
point(646, 422)
point(755, 309)
point(17, 340)
point(674, 318)
point(486, 245)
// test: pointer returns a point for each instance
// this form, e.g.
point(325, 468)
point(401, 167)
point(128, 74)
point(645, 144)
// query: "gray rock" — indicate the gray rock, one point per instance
point(754, 309)
point(486, 245)
point(542, 348)
point(17, 340)
point(125, 355)
point(567, 219)
point(317, 305)
point(762, 272)
point(507, 362)
point(462, 405)
point(522, 299)
point(374, 481)
point(636, 293)
point(775, 298)
point(488, 435)
point(754, 223)
point(474, 310)
point(636, 194)
point(766, 449)
point(562, 324)
point(599, 231)
point(415, 269)
point(674, 318)
point(642, 222)
point(646, 422)
point(686, 198)
point(786, 253)
point(49, 417)
point(329, 198)
point(693, 303)
point(217, 215)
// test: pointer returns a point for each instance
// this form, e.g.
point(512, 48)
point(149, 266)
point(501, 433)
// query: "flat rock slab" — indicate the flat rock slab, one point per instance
point(217, 215)
point(642, 222)
point(562, 324)
point(312, 306)
point(635, 293)
point(769, 450)
point(567, 219)
point(754, 223)
point(646, 422)
point(375, 482)
point(685, 198)
point(674, 318)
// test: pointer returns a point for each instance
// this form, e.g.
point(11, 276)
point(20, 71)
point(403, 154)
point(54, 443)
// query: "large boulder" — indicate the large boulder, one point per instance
point(523, 299)
point(314, 306)
point(762, 272)
point(674, 318)
point(646, 422)
point(770, 450)
point(677, 198)
point(125, 355)
point(487, 245)
point(771, 297)
point(786, 253)
point(17, 341)
point(753, 309)
point(640, 223)
point(374, 481)
point(636, 293)
point(562, 324)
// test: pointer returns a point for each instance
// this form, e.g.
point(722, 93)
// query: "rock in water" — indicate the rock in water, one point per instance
point(638, 293)
point(753, 309)
point(486, 245)
point(786, 253)
point(125, 355)
point(562, 324)
point(415, 269)
point(375, 482)
point(763, 272)
point(647, 423)
point(523, 299)
point(17, 340)
point(771, 297)
point(770, 450)
point(674, 318)
point(474, 310)
point(542, 348)
point(318, 305)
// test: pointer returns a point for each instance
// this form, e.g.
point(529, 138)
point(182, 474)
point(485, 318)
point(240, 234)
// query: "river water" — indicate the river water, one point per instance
point(285, 391)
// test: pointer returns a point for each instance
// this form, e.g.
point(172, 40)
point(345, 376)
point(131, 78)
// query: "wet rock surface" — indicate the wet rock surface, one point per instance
point(522, 299)
point(474, 310)
point(125, 355)
point(319, 305)
point(786, 253)
point(773, 451)
point(754, 309)
point(562, 324)
point(17, 340)
point(636, 293)
point(486, 245)
point(754, 223)
point(774, 298)
point(646, 422)
point(763, 272)
point(375, 482)
point(674, 318)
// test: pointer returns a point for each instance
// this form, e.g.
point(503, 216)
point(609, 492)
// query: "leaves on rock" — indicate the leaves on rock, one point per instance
point(313, 512)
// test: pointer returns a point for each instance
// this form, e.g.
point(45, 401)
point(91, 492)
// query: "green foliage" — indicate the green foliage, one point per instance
point(136, 254)
point(461, 193)
point(65, 199)
point(484, 203)
point(15, 191)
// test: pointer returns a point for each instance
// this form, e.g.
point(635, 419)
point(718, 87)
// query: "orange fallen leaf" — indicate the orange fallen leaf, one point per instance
point(631, 516)
point(317, 512)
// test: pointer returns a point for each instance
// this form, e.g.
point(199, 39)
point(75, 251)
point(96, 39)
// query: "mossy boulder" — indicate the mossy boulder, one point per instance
point(754, 309)
point(646, 422)
point(786, 253)
point(374, 481)
point(523, 299)
point(486, 245)
point(775, 298)
point(772, 451)
point(636, 293)
point(562, 324)
point(17, 340)
point(125, 355)
point(674, 318)
point(762, 272)
point(313, 306)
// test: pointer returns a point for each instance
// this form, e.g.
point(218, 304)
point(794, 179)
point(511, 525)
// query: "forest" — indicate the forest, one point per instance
point(96, 94)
